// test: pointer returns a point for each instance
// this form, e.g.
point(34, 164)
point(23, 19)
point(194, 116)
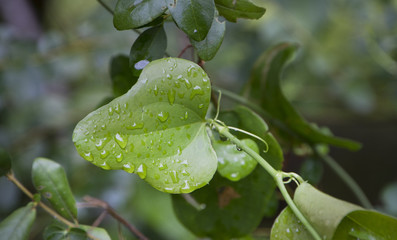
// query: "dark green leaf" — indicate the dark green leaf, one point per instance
point(49, 178)
point(232, 209)
point(157, 129)
point(121, 75)
point(130, 14)
point(288, 227)
point(5, 162)
point(366, 225)
point(207, 48)
point(312, 170)
point(150, 45)
point(58, 231)
point(17, 225)
point(233, 9)
point(264, 87)
point(194, 17)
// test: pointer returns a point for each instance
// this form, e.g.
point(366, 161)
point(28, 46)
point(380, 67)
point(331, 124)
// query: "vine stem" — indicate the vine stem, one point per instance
point(278, 176)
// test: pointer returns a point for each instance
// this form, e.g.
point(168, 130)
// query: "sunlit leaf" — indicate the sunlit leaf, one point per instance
point(233, 9)
point(17, 225)
point(288, 227)
point(5, 162)
point(49, 178)
point(121, 75)
point(264, 88)
point(150, 45)
point(130, 14)
point(194, 17)
point(156, 130)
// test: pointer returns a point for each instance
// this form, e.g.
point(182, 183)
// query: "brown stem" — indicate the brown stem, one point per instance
point(184, 50)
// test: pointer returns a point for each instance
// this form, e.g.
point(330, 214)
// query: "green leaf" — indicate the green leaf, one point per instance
point(121, 75)
point(312, 170)
point(17, 225)
point(264, 88)
point(207, 48)
point(5, 162)
point(194, 17)
point(157, 129)
point(232, 209)
point(96, 232)
point(58, 231)
point(233, 9)
point(49, 178)
point(366, 225)
point(150, 45)
point(324, 212)
point(232, 163)
point(130, 14)
point(288, 227)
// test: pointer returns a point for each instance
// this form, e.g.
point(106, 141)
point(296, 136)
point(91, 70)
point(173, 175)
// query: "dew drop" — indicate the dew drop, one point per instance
point(184, 162)
point(188, 84)
point(103, 127)
point(169, 76)
point(171, 96)
point(121, 140)
point(174, 176)
point(110, 111)
point(105, 166)
point(179, 150)
point(185, 173)
point(155, 90)
point(104, 154)
point(141, 171)
point(88, 156)
point(117, 108)
point(196, 91)
point(163, 116)
point(185, 188)
point(162, 166)
point(47, 195)
point(135, 126)
point(119, 158)
point(200, 106)
point(287, 230)
point(195, 30)
point(128, 168)
point(238, 148)
point(189, 71)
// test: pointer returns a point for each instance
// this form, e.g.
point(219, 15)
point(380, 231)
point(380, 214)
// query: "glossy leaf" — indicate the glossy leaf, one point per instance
point(264, 88)
point(150, 45)
point(233, 9)
point(156, 130)
point(5, 162)
point(207, 48)
point(232, 163)
point(130, 14)
point(324, 212)
point(194, 17)
point(288, 227)
point(366, 225)
point(49, 178)
point(121, 75)
point(58, 231)
point(96, 232)
point(232, 209)
point(18, 224)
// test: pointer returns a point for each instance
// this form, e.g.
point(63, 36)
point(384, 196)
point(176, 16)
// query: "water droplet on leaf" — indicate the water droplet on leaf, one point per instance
point(174, 176)
point(88, 156)
point(171, 96)
point(104, 154)
point(121, 140)
point(163, 116)
point(119, 157)
point(196, 91)
point(128, 168)
point(135, 126)
point(141, 171)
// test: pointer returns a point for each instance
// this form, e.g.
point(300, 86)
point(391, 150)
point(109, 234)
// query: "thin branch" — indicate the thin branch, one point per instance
point(184, 50)
point(99, 219)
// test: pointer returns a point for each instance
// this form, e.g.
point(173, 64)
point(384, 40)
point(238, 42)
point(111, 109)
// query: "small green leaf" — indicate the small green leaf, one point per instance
point(312, 170)
point(194, 17)
point(366, 225)
point(264, 88)
point(96, 232)
point(58, 231)
point(150, 45)
point(5, 162)
point(17, 225)
point(130, 14)
point(156, 130)
point(232, 163)
point(49, 178)
point(231, 209)
point(233, 9)
point(288, 227)
point(324, 212)
point(207, 48)
point(121, 75)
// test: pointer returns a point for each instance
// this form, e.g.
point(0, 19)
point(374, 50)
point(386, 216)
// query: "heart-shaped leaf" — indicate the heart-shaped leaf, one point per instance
point(233, 9)
point(234, 164)
point(288, 227)
point(17, 225)
point(157, 129)
point(130, 14)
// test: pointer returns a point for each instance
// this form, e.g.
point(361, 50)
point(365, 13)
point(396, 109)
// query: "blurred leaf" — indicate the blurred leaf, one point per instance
point(96, 232)
point(232, 209)
point(150, 45)
point(58, 231)
point(121, 75)
point(366, 225)
point(130, 14)
point(207, 48)
point(233, 9)
point(232, 163)
point(194, 17)
point(264, 86)
point(389, 198)
point(17, 225)
point(155, 129)
point(5, 162)
point(49, 178)
point(312, 170)
point(288, 227)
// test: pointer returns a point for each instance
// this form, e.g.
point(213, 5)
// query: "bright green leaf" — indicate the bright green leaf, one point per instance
point(366, 225)
point(17, 225)
point(231, 209)
point(264, 88)
point(156, 130)
point(207, 48)
point(232, 163)
point(5, 162)
point(288, 227)
point(194, 17)
point(96, 232)
point(58, 231)
point(233, 9)
point(150, 45)
point(49, 178)
point(130, 14)
point(121, 75)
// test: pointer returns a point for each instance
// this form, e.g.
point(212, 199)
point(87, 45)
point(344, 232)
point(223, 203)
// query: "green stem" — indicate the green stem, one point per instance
point(277, 175)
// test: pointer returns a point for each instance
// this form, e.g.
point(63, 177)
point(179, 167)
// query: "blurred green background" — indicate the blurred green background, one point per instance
point(54, 70)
